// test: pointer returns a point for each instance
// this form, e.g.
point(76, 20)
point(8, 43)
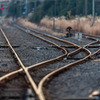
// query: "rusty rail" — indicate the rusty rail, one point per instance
point(48, 77)
point(38, 89)
point(25, 69)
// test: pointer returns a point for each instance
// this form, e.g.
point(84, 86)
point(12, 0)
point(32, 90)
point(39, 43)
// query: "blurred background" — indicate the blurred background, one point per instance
point(56, 14)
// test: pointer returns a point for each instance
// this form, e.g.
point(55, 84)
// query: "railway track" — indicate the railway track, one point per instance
point(15, 71)
point(7, 60)
point(92, 42)
point(39, 88)
point(9, 65)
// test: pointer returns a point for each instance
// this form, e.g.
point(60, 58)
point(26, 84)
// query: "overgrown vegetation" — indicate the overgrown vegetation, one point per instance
point(15, 8)
point(18, 8)
point(81, 25)
point(49, 8)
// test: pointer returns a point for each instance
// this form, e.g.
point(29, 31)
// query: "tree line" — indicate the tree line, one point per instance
point(49, 8)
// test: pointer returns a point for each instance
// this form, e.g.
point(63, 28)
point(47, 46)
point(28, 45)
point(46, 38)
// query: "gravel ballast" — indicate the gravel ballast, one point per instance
point(79, 81)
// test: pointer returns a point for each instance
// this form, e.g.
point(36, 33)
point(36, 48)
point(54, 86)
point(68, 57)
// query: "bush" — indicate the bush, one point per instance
point(34, 18)
point(30, 15)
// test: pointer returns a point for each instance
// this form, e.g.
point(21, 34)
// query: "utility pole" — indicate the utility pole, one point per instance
point(35, 5)
point(93, 11)
point(77, 1)
point(26, 2)
point(20, 8)
point(54, 15)
point(55, 7)
point(77, 14)
point(86, 8)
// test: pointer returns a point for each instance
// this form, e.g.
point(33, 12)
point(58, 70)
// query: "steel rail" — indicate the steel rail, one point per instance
point(23, 68)
point(38, 65)
point(6, 77)
point(21, 65)
point(53, 37)
point(42, 97)
point(80, 98)
point(92, 35)
point(57, 71)
point(52, 60)
point(61, 40)
point(47, 77)
point(42, 63)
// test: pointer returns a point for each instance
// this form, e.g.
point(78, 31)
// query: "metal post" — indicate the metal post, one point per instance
point(20, 8)
point(54, 17)
point(77, 7)
point(53, 23)
point(86, 8)
point(35, 5)
point(93, 11)
point(26, 6)
point(55, 6)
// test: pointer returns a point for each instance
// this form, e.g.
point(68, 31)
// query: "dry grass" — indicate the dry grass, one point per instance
point(80, 25)
point(27, 23)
